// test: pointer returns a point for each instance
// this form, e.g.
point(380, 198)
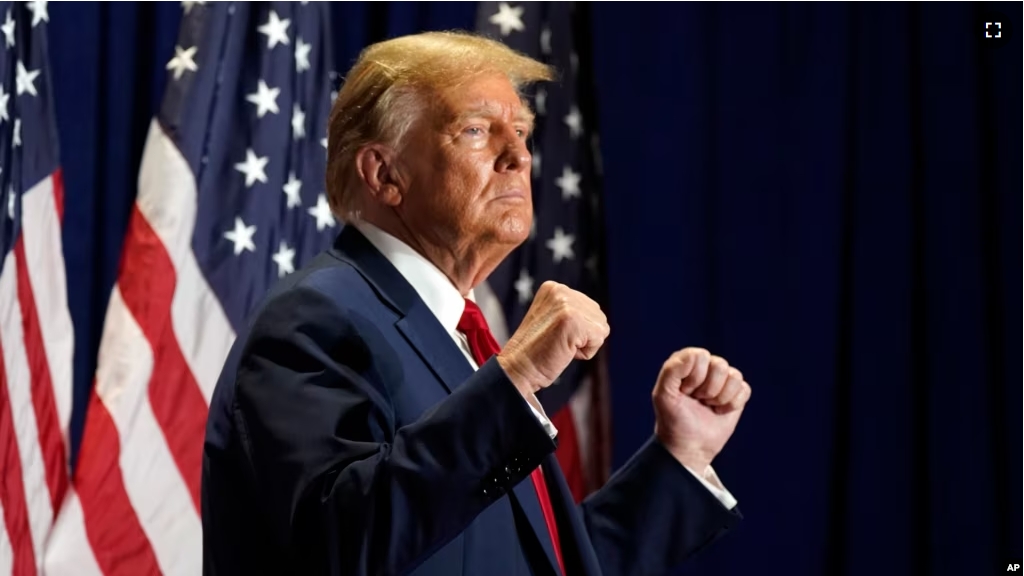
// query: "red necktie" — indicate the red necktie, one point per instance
point(483, 345)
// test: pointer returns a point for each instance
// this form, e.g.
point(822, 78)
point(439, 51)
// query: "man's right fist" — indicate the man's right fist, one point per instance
point(561, 325)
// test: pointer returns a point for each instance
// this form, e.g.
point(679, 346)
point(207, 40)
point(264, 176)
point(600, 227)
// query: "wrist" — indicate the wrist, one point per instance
point(693, 457)
point(520, 376)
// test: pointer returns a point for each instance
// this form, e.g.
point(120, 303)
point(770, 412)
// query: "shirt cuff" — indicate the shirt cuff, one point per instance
point(542, 417)
point(711, 481)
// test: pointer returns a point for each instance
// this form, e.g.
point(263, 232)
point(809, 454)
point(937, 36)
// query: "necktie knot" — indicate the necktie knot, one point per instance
point(472, 318)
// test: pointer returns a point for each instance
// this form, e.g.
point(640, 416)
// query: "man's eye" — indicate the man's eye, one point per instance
point(474, 131)
point(522, 133)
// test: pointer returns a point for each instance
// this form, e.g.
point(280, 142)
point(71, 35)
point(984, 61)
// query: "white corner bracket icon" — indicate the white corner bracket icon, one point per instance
point(997, 33)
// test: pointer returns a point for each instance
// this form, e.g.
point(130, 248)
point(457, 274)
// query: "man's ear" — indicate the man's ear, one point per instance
point(377, 168)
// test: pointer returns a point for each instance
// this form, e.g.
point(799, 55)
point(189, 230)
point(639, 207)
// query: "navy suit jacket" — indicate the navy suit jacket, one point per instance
point(349, 435)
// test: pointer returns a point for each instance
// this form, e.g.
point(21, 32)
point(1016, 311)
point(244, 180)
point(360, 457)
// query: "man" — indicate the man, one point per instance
point(367, 423)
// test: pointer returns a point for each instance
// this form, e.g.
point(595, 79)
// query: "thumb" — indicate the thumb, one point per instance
point(676, 369)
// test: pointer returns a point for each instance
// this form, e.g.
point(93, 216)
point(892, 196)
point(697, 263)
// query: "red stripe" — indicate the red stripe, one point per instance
point(47, 420)
point(147, 283)
point(568, 453)
point(114, 532)
point(58, 193)
point(12, 489)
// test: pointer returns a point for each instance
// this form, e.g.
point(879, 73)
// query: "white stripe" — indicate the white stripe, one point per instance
point(155, 488)
point(167, 198)
point(44, 258)
point(6, 552)
point(33, 471)
point(68, 551)
point(581, 406)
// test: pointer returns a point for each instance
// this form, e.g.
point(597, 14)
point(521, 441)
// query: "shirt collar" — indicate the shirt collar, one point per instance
point(433, 287)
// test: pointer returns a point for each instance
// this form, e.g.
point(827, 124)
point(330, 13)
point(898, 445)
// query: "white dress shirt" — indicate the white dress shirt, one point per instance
point(447, 304)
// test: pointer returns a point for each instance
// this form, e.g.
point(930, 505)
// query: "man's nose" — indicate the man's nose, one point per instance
point(515, 156)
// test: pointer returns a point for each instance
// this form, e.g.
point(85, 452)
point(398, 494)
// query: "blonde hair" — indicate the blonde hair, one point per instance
point(389, 86)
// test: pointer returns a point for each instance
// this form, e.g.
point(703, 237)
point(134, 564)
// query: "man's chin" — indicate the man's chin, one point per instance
point(514, 228)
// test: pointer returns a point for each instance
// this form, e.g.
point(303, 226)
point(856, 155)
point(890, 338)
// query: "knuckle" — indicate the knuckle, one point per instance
point(735, 374)
point(563, 316)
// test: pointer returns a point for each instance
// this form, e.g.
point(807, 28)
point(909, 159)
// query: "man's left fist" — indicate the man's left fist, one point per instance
point(698, 400)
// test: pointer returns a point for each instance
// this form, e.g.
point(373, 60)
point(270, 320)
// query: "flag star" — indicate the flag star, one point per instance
point(536, 164)
point(541, 99)
point(265, 99)
point(545, 40)
point(10, 203)
point(25, 79)
point(188, 4)
point(276, 30)
point(302, 55)
point(39, 13)
point(574, 120)
point(298, 122)
point(285, 259)
point(569, 182)
point(323, 142)
point(291, 189)
point(16, 140)
point(524, 286)
point(561, 245)
point(242, 236)
point(508, 18)
point(322, 213)
point(253, 168)
point(183, 60)
point(8, 28)
point(3, 105)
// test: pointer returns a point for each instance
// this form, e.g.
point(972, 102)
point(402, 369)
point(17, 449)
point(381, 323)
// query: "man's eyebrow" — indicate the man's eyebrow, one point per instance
point(525, 115)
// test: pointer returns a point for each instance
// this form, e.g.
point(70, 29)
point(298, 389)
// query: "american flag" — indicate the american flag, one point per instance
point(230, 199)
point(565, 244)
point(36, 339)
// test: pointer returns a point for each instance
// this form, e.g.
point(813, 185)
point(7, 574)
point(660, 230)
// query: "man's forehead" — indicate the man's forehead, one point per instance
point(487, 96)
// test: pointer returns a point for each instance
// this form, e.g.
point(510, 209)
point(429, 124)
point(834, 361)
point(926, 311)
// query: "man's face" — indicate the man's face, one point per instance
point(466, 167)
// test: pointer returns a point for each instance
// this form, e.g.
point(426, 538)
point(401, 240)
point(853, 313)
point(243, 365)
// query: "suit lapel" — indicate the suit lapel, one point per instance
point(424, 333)
point(417, 323)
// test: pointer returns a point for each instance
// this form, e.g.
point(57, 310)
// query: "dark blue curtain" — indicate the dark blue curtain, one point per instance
point(825, 194)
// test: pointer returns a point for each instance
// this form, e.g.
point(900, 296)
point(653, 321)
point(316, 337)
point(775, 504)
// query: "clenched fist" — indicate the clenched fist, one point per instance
point(561, 325)
point(698, 400)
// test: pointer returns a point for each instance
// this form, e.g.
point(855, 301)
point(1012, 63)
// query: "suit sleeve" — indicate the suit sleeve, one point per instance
point(652, 515)
point(346, 491)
